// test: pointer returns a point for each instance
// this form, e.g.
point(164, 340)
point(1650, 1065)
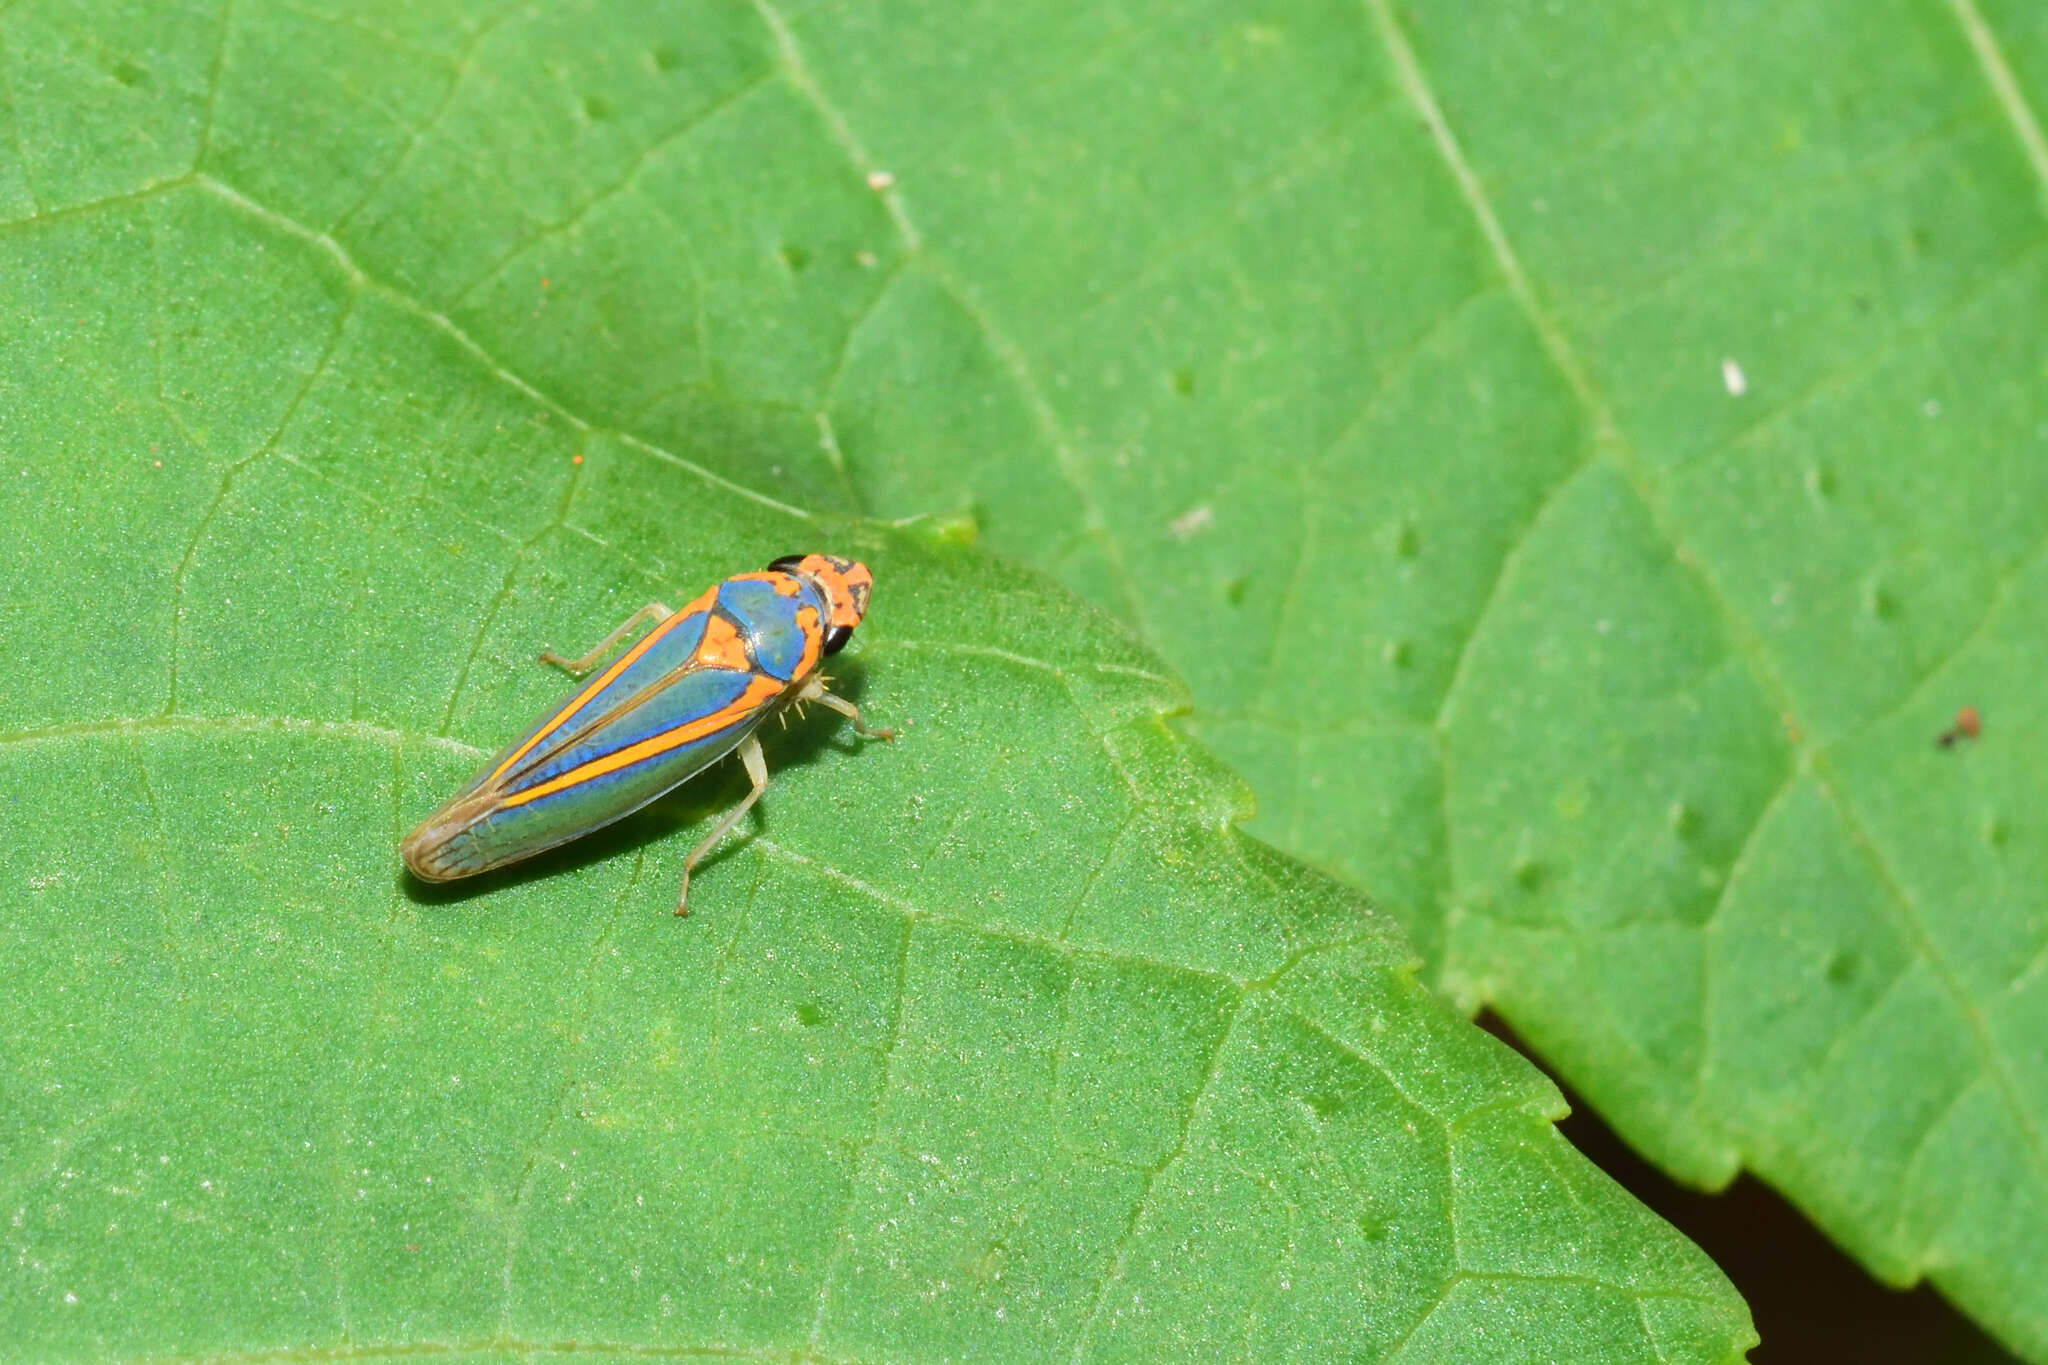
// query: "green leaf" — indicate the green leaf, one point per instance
point(1581, 457)
point(350, 356)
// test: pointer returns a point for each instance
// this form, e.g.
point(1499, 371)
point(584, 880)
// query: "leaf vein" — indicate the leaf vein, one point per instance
point(862, 1153)
point(236, 724)
point(515, 1220)
point(464, 61)
point(227, 483)
point(1998, 601)
point(624, 184)
point(1051, 429)
point(2006, 90)
point(1608, 439)
point(1159, 260)
point(1871, 363)
point(489, 615)
point(216, 72)
point(1114, 1268)
point(441, 322)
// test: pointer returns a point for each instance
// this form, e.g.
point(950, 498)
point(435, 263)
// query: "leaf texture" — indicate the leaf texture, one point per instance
point(353, 354)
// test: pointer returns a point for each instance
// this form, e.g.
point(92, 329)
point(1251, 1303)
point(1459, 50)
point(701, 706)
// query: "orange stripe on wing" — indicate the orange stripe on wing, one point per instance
point(760, 690)
point(814, 642)
point(603, 680)
point(723, 646)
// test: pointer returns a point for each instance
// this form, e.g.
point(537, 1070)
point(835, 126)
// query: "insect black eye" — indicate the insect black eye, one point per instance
point(786, 563)
point(836, 638)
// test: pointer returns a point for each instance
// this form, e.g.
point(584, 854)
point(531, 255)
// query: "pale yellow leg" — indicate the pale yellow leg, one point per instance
point(576, 668)
point(757, 771)
point(816, 692)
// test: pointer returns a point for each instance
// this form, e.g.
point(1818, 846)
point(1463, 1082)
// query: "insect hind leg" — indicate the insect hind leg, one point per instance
point(577, 667)
point(757, 772)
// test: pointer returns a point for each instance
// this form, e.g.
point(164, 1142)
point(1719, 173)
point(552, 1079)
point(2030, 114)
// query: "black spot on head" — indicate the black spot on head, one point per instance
point(836, 638)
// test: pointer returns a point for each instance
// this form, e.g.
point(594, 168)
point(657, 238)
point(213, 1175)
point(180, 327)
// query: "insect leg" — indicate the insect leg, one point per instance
point(654, 611)
point(757, 771)
point(816, 692)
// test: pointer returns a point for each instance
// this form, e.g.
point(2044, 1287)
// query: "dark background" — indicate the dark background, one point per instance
point(1813, 1304)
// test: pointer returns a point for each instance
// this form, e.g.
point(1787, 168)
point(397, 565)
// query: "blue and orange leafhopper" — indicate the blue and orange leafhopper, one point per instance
point(684, 695)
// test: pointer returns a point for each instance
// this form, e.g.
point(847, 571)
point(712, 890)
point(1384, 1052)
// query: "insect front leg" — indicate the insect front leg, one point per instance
point(757, 772)
point(815, 691)
point(576, 668)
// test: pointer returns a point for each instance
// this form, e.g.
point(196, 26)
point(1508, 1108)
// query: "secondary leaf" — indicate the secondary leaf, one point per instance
point(351, 357)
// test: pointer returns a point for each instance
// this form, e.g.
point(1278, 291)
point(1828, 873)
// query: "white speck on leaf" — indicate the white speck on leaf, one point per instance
point(1733, 378)
point(1192, 522)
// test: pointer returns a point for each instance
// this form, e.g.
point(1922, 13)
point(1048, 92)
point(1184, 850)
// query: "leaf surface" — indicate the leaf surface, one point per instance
point(350, 356)
point(1582, 459)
